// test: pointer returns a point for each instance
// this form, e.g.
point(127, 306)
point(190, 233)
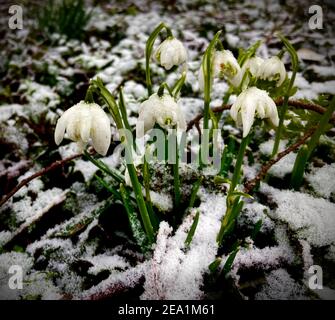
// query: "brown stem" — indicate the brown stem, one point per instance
point(249, 185)
point(54, 165)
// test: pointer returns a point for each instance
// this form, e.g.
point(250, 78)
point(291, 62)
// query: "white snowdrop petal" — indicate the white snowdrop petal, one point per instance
point(100, 130)
point(60, 130)
point(234, 111)
point(171, 52)
point(85, 123)
point(250, 103)
point(248, 115)
point(62, 124)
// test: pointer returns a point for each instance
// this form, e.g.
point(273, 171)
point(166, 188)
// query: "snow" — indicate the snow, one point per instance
point(174, 273)
point(322, 180)
point(27, 210)
point(5, 236)
point(103, 262)
point(252, 213)
point(285, 165)
point(310, 218)
point(281, 286)
point(161, 201)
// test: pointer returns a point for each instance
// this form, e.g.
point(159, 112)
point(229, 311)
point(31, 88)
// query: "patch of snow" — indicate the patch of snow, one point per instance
point(322, 180)
point(311, 218)
point(175, 272)
point(252, 213)
point(104, 262)
point(161, 201)
point(281, 286)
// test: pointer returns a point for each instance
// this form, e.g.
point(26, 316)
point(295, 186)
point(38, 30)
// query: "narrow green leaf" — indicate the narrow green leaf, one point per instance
point(192, 230)
point(194, 192)
point(229, 263)
point(134, 222)
point(256, 229)
point(123, 110)
point(299, 167)
point(215, 264)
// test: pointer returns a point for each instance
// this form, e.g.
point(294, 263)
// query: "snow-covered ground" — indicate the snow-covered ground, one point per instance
point(72, 246)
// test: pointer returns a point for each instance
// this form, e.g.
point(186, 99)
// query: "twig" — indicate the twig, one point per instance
point(195, 121)
point(294, 103)
point(54, 165)
point(249, 185)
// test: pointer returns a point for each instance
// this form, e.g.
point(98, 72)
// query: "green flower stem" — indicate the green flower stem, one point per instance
point(123, 110)
point(306, 151)
point(207, 73)
point(146, 181)
point(233, 201)
point(176, 178)
point(140, 200)
point(148, 52)
point(239, 162)
point(109, 99)
point(283, 109)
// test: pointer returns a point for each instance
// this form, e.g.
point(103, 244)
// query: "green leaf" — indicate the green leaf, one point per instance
point(135, 224)
point(214, 265)
point(229, 262)
point(178, 85)
point(256, 229)
point(227, 157)
point(242, 194)
point(192, 230)
point(123, 109)
point(194, 192)
point(115, 174)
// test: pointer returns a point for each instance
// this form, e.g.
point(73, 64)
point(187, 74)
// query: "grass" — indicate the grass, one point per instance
point(65, 17)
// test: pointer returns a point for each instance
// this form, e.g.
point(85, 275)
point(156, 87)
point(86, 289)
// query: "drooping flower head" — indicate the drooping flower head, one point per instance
point(272, 69)
point(171, 52)
point(253, 65)
point(224, 65)
point(250, 103)
point(84, 122)
point(161, 110)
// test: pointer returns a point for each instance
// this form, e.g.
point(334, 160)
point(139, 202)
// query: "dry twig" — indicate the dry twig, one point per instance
point(249, 185)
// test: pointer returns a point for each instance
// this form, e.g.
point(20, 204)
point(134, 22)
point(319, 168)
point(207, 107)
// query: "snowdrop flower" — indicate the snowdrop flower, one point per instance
point(272, 69)
point(82, 122)
point(162, 110)
point(251, 102)
point(253, 65)
point(225, 64)
point(171, 52)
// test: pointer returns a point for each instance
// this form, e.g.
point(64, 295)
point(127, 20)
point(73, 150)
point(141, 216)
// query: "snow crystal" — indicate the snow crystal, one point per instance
point(104, 262)
point(322, 180)
point(324, 71)
point(281, 286)
point(265, 259)
point(7, 111)
point(178, 274)
point(285, 165)
point(5, 236)
point(252, 213)
point(37, 93)
point(161, 201)
point(311, 218)
point(26, 209)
